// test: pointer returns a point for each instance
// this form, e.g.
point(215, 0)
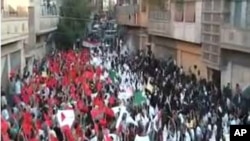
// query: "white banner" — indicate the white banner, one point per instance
point(144, 138)
point(91, 44)
point(65, 117)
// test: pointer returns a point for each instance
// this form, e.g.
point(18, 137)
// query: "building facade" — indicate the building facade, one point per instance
point(26, 33)
point(133, 14)
point(175, 31)
point(210, 37)
point(235, 45)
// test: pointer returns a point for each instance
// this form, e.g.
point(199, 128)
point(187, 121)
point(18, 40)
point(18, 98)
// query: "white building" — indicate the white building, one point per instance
point(25, 33)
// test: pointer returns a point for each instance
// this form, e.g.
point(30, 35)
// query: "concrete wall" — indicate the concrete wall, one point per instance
point(190, 55)
point(13, 29)
point(235, 68)
point(236, 37)
point(164, 47)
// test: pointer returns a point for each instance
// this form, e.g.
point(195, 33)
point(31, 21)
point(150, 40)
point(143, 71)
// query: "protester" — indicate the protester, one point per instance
point(100, 94)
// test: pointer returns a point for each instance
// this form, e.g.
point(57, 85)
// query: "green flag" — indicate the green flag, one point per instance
point(139, 98)
point(113, 75)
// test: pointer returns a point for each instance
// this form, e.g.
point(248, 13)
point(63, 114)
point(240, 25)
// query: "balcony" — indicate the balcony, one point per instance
point(130, 15)
point(48, 23)
point(14, 27)
point(159, 23)
point(235, 38)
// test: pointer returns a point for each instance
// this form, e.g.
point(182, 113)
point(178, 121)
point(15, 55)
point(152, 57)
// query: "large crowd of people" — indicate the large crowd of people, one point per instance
point(103, 95)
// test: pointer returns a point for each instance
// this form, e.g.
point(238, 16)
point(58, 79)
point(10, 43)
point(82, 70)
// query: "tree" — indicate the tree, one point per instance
point(74, 15)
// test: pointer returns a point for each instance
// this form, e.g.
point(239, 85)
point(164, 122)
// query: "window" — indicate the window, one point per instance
point(179, 11)
point(206, 56)
point(38, 39)
point(214, 58)
point(215, 49)
point(215, 39)
point(248, 15)
point(207, 27)
point(2, 4)
point(190, 12)
point(216, 28)
point(206, 37)
point(143, 6)
point(217, 5)
point(206, 47)
point(207, 5)
point(207, 17)
point(216, 18)
point(237, 13)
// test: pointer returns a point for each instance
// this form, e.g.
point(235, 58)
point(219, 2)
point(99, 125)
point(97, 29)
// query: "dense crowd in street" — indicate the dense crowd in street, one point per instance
point(103, 95)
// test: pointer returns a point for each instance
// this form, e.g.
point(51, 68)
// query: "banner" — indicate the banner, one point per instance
point(149, 87)
point(91, 44)
point(140, 138)
point(139, 98)
point(65, 117)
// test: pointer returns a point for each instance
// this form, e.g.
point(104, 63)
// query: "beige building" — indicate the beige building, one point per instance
point(235, 44)
point(133, 15)
point(175, 31)
point(26, 29)
point(225, 41)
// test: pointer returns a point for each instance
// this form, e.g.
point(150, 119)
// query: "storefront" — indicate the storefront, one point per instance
point(189, 57)
point(164, 48)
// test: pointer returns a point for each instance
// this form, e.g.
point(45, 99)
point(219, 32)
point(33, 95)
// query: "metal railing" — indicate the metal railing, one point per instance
point(49, 10)
point(14, 14)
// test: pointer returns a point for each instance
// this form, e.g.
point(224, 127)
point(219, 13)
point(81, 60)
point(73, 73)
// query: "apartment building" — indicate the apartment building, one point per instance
point(26, 34)
point(235, 44)
point(174, 30)
point(213, 15)
point(133, 15)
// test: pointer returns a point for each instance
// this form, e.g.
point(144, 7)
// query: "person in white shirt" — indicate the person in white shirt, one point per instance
point(18, 86)
point(5, 113)
point(187, 136)
point(198, 133)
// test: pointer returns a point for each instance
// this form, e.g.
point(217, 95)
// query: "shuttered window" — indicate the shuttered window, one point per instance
point(190, 11)
point(179, 11)
point(248, 15)
point(237, 13)
point(15, 61)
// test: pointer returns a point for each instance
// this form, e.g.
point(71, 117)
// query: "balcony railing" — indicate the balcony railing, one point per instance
point(48, 23)
point(160, 28)
point(13, 28)
point(159, 23)
point(19, 12)
point(235, 38)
